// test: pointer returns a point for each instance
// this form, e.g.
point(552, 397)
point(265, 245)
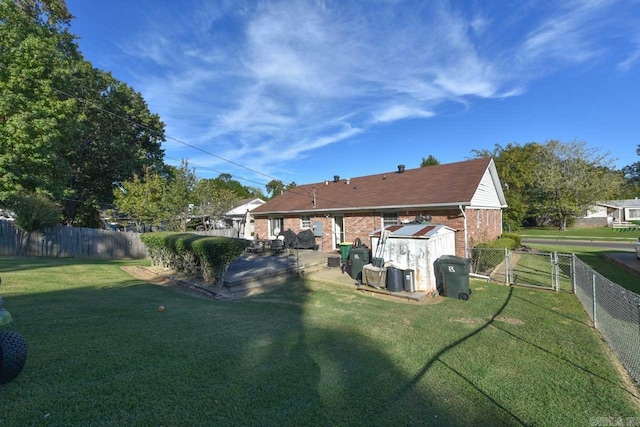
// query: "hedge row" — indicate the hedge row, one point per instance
point(507, 240)
point(486, 261)
point(199, 256)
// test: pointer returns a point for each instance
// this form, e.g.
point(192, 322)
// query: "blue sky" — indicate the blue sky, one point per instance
point(305, 90)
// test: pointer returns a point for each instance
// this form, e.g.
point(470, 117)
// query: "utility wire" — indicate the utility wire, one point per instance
point(143, 126)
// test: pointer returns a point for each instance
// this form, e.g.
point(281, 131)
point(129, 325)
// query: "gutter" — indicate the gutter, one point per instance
point(466, 237)
point(363, 208)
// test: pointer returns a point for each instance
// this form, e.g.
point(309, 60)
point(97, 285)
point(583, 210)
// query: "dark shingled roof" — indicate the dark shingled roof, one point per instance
point(447, 184)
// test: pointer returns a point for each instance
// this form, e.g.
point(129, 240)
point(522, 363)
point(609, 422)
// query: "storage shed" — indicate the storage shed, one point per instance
point(415, 247)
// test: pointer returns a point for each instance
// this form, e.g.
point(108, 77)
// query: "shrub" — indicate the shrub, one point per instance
point(504, 242)
point(35, 212)
point(515, 237)
point(199, 256)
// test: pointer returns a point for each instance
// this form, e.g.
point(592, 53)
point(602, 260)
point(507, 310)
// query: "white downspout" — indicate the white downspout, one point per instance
point(466, 243)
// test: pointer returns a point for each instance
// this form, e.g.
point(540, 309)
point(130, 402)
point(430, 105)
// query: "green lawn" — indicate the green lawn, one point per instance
point(596, 233)
point(593, 257)
point(307, 354)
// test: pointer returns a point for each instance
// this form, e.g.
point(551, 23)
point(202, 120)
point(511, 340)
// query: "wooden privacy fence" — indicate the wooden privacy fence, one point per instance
point(75, 242)
point(60, 241)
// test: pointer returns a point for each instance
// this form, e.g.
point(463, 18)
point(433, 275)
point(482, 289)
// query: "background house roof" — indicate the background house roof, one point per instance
point(244, 205)
point(441, 185)
point(619, 204)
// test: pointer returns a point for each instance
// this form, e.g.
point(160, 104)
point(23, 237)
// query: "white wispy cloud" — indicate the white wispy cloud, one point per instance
point(633, 57)
point(263, 83)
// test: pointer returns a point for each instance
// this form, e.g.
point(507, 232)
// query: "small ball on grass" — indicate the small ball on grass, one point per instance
point(161, 308)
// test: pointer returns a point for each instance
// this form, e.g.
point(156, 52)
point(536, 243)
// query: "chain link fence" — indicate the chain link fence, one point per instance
point(490, 262)
point(614, 310)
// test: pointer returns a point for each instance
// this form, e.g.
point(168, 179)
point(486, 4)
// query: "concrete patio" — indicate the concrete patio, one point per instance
point(251, 274)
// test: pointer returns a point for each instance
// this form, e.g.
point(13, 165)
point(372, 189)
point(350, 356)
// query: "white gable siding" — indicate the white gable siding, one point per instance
point(242, 209)
point(486, 195)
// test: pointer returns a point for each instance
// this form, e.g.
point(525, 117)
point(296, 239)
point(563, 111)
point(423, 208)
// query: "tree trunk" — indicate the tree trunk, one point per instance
point(563, 223)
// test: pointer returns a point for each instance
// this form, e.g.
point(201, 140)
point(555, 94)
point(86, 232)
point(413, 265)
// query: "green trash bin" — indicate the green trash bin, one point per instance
point(358, 258)
point(344, 251)
point(452, 276)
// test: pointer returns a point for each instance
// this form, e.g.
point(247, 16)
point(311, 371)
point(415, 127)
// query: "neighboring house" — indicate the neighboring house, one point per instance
point(596, 216)
point(617, 213)
point(241, 218)
point(466, 196)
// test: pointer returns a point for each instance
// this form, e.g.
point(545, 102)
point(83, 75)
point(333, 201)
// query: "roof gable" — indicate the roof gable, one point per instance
point(450, 184)
point(246, 204)
point(489, 192)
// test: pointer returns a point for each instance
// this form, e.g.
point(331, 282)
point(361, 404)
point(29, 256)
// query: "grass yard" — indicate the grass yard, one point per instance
point(307, 354)
point(595, 233)
point(593, 257)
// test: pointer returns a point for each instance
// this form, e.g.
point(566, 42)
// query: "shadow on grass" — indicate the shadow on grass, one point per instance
point(563, 359)
point(9, 264)
point(558, 313)
point(103, 352)
point(437, 358)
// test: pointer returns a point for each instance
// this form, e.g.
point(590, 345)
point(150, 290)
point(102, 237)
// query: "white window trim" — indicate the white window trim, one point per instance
point(397, 218)
point(271, 228)
point(307, 221)
point(628, 214)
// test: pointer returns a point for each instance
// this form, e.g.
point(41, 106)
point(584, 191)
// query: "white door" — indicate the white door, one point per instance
point(338, 231)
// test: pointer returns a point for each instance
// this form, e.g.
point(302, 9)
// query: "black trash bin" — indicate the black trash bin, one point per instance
point(394, 279)
point(452, 276)
point(358, 258)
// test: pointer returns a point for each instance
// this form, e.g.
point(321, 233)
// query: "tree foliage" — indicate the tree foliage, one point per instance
point(67, 129)
point(35, 212)
point(553, 182)
point(429, 161)
point(212, 202)
point(276, 187)
point(180, 183)
point(631, 174)
point(144, 199)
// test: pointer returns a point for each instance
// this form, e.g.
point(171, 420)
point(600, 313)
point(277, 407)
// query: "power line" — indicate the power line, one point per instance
point(143, 126)
point(169, 137)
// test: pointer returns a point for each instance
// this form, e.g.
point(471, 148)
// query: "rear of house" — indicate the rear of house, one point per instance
point(465, 196)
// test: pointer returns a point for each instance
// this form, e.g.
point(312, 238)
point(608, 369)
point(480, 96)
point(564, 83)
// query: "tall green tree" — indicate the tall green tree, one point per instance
point(181, 181)
point(515, 165)
point(67, 129)
point(552, 182)
point(212, 202)
point(570, 179)
point(144, 199)
point(631, 174)
point(429, 161)
point(275, 187)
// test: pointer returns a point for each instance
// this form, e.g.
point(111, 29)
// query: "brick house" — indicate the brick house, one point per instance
point(466, 196)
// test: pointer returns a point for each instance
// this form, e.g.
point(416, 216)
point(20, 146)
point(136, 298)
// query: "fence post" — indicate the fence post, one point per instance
point(573, 271)
point(556, 275)
point(593, 288)
point(506, 267)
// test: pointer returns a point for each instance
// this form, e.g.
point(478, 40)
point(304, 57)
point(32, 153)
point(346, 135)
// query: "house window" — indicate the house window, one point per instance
point(633, 214)
point(305, 221)
point(389, 218)
point(276, 225)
